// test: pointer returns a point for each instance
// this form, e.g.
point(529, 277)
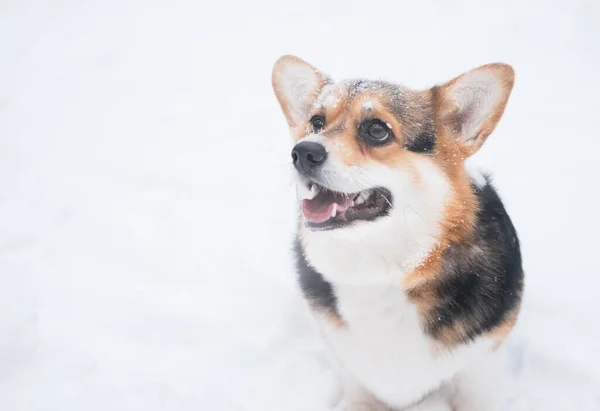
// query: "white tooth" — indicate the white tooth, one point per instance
point(314, 190)
point(362, 197)
point(303, 192)
point(334, 211)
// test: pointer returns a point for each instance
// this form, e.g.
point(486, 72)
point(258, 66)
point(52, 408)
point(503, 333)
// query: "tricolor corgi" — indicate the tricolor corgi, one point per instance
point(410, 263)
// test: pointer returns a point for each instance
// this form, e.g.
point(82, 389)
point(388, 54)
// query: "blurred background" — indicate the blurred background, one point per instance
point(147, 206)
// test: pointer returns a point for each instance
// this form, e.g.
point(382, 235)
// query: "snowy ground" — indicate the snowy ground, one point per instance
point(146, 205)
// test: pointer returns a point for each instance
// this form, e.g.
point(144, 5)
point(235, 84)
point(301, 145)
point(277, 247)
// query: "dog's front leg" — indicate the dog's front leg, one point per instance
point(478, 387)
point(353, 396)
point(438, 400)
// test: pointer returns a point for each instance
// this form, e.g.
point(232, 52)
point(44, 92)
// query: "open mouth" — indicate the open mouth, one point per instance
point(325, 209)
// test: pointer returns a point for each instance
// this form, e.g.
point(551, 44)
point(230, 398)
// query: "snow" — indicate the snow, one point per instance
point(147, 204)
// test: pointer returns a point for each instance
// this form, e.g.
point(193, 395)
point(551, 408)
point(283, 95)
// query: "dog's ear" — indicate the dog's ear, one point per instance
point(470, 105)
point(297, 85)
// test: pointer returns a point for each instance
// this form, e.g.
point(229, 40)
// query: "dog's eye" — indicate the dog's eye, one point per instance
point(375, 132)
point(318, 123)
point(378, 131)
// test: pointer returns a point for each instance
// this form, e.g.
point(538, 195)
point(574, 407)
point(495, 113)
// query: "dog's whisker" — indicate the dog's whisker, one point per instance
point(416, 212)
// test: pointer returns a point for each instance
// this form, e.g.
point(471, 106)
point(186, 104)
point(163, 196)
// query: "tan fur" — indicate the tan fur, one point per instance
point(456, 226)
point(331, 317)
point(499, 333)
point(459, 218)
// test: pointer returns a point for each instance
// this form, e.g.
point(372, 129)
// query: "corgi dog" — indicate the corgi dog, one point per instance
point(409, 262)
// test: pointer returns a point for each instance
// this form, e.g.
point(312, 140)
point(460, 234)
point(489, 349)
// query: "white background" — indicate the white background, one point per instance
point(146, 204)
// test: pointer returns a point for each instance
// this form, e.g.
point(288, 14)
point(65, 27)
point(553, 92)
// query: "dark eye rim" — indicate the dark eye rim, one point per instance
point(364, 133)
point(314, 119)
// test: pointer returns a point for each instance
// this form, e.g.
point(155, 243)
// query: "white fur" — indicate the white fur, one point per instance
point(384, 348)
point(481, 384)
point(329, 96)
point(475, 174)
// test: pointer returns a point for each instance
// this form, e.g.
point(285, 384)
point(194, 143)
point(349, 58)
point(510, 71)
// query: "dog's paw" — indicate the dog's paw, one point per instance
point(360, 406)
point(431, 406)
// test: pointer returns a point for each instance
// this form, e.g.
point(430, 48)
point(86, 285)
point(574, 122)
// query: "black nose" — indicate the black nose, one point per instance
point(308, 155)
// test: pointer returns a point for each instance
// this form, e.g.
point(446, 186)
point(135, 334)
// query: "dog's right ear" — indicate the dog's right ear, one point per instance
point(297, 85)
point(470, 105)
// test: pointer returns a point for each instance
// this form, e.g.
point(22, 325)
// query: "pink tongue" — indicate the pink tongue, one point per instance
point(319, 209)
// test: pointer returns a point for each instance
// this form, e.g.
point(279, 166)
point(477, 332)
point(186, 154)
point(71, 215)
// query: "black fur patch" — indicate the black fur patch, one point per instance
point(424, 142)
point(482, 280)
point(316, 289)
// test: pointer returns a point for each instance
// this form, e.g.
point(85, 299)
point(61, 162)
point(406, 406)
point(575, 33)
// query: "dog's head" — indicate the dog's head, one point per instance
point(381, 167)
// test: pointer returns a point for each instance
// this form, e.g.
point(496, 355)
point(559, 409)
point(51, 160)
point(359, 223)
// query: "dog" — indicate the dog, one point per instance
point(409, 262)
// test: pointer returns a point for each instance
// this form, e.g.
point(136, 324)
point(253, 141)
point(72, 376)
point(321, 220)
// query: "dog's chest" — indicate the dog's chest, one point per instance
point(383, 345)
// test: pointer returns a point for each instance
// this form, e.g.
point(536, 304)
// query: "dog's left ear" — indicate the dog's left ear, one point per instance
point(470, 105)
point(297, 85)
